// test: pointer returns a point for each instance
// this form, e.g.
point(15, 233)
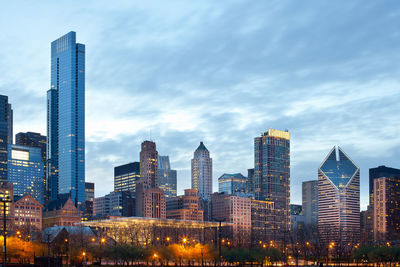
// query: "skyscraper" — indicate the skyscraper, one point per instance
point(379, 172)
point(272, 175)
point(202, 172)
point(149, 164)
point(126, 177)
point(339, 198)
point(6, 128)
point(310, 202)
point(166, 177)
point(25, 171)
point(89, 199)
point(233, 184)
point(66, 120)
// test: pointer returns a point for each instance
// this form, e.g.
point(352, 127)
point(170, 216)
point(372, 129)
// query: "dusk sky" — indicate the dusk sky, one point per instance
point(221, 72)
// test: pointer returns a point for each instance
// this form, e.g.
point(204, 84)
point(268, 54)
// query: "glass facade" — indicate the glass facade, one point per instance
point(66, 119)
point(339, 198)
point(233, 184)
point(126, 177)
point(5, 134)
point(202, 172)
point(166, 177)
point(25, 171)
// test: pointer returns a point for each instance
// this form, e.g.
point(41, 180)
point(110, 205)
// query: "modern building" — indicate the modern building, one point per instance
point(297, 219)
point(186, 207)
point(386, 209)
point(339, 198)
point(265, 227)
point(6, 134)
point(250, 181)
point(149, 164)
point(379, 172)
point(272, 175)
point(202, 172)
point(66, 120)
point(367, 225)
point(235, 210)
point(166, 177)
point(232, 184)
point(126, 177)
point(27, 214)
point(61, 212)
point(117, 204)
point(310, 202)
point(25, 171)
point(89, 199)
point(150, 202)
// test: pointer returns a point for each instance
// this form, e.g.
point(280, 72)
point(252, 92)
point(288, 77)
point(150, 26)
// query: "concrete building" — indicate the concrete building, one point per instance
point(27, 214)
point(379, 172)
point(166, 177)
point(202, 172)
point(367, 226)
point(186, 207)
point(126, 176)
point(150, 202)
point(272, 176)
point(386, 209)
point(310, 202)
point(339, 198)
point(149, 164)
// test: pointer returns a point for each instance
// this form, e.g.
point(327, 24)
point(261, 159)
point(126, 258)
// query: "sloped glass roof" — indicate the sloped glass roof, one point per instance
point(338, 171)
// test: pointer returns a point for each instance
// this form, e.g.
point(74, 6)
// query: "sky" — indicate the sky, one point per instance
point(221, 72)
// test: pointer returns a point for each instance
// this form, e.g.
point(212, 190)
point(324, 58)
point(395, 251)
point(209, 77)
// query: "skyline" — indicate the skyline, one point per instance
point(327, 108)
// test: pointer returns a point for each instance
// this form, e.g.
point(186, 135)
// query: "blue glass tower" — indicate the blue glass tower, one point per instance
point(66, 120)
point(6, 127)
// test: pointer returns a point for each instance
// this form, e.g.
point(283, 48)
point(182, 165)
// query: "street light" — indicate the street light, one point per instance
point(84, 258)
point(5, 200)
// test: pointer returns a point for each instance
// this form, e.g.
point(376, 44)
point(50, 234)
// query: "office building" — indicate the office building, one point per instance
point(297, 219)
point(272, 175)
point(202, 172)
point(27, 215)
point(25, 171)
point(116, 204)
point(126, 177)
point(186, 207)
point(66, 120)
point(89, 199)
point(310, 202)
point(150, 202)
point(6, 129)
point(149, 164)
point(367, 225)
point(379, 172)
point(232, 184)
point(386, 209)
point(265, 227)
point(339, 198)
point(250, 182)
point(236, 210)
point(166, 177)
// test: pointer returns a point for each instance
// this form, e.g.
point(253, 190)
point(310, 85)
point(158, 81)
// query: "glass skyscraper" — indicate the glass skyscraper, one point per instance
point(166, 177)
point(339, 198)
point(232, 184)
point(126, 177)
point(66, 120)
point(202, 172)
point(6, 126)
point(25, 171)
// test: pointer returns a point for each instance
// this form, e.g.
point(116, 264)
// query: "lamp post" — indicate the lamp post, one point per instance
point(5, 200)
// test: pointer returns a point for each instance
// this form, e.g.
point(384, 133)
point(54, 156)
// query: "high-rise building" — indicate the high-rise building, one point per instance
point(367, 225)
point(126, 177)
point(66, 120)
point(265, 227)
point(89, 199)
point(379, 172)
point(297, 219)
point(250, 181)
point(121, 204)
point(310, 202)
point(150, 202)
point(202, 172)
point(166, 177)
point(25, 171)
point(386, 209)
point(32, 139)
point(6, 128)
point(272, 175)
point(149, 164)
point(232, 184)
point(185, 207)
point(339, 198)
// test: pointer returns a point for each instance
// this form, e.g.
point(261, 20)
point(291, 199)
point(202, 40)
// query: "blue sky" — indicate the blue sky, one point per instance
point(222, 72)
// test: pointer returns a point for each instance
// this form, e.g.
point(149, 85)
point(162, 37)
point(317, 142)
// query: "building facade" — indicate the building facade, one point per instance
point(166, 177)
point(149, 164)
point(386, 209)
point(61, 212)
point(150, 202)
point(115, 204)
point(339, 198)
point(89, 199)
point(7, 193)
point(379, 172)
point(297, 219)
point(126, 177)
point(310, 202)
point(6, 134)
point(66, 120)
point(272, 175)
point(28, 214)
point(265, 227)
point(202, 172)
point(186, 207)
point(232, 184)
point(250, 181)
point(25, 171)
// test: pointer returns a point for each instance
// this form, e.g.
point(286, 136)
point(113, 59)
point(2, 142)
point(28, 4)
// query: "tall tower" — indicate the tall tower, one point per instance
point(339, 198)
point(166, 177)
point(6, 131)
point(272, 175)
point(310, 202)
point(66, 120)
point(149, 164)
point(202, 172)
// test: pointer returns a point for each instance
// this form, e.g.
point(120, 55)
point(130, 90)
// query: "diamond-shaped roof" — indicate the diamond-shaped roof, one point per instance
point(338, 171)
